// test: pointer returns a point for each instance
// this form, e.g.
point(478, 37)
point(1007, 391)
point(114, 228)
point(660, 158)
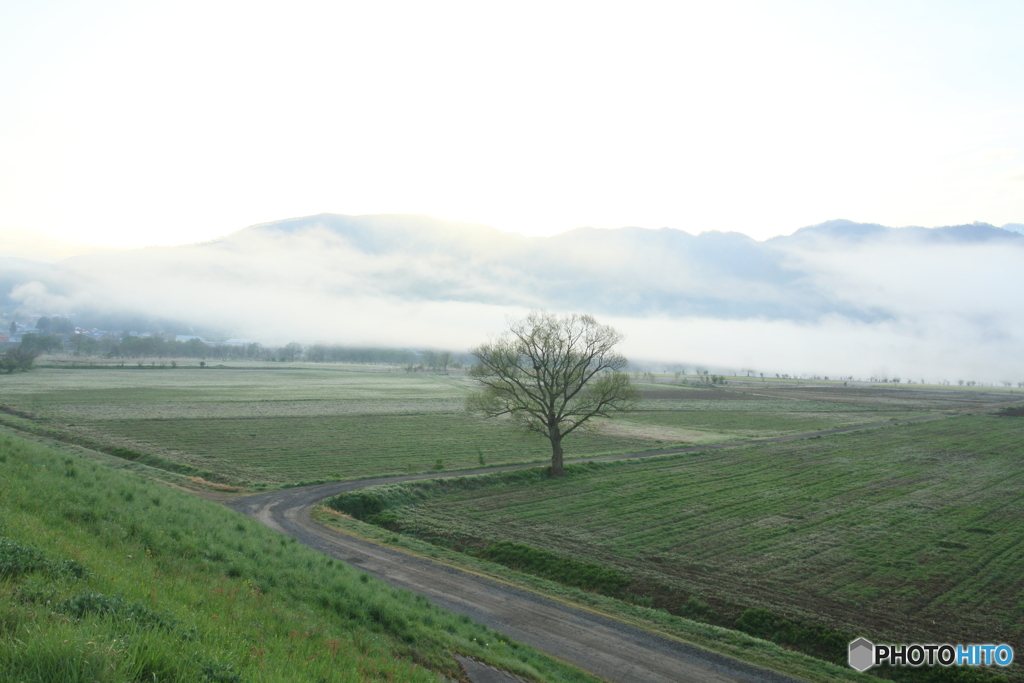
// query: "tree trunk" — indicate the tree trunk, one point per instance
point(557, 470)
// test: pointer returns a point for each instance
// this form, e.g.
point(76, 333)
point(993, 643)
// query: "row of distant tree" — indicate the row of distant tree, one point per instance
point(130, 346)
point(408, 358)
point(91, 320)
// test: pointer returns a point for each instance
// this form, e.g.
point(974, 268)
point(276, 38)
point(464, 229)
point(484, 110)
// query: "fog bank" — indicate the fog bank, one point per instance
point(838, 299)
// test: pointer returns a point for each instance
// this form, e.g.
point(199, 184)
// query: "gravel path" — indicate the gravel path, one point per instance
point(607, 648)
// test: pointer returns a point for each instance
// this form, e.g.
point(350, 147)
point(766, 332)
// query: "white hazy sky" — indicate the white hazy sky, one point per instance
point(133, 123)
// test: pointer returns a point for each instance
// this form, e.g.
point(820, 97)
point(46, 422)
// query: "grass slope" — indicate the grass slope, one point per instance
point(105, 576)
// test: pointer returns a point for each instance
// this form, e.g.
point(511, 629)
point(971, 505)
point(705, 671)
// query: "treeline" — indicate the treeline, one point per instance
point(410, 359)
point(130, 346)
point(333, 353)
point(157, 347)
point(138, 347)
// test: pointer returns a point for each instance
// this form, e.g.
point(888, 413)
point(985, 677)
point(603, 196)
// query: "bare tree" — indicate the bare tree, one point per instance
point(291, 351)
point(551, 374)
point(437, 360)
point(444, 359)
point(18, 358)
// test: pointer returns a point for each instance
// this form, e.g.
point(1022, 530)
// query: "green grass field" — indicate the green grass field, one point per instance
point(284, 449)
point(913, 533)
point(906, 532)
point(273, 424)
point(748, 410)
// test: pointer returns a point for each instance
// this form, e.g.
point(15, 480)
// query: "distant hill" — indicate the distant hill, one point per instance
point(629, 271)
point(864, 232)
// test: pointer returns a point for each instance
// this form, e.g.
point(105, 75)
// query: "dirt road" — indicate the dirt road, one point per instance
point(605, 647)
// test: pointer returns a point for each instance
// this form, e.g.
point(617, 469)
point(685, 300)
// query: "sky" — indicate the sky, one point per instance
point(150, 123)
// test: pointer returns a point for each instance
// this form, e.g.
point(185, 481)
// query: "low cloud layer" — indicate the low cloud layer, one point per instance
point(839, 299)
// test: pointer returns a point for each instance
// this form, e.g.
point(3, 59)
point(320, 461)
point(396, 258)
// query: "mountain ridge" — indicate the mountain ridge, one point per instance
point(626, 271)
point(844, 228)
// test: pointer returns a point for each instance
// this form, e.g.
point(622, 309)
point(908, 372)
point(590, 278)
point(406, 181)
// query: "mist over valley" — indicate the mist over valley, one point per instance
point(839, 298)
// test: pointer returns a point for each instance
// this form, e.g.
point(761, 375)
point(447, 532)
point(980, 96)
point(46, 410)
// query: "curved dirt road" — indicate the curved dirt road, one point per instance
point(605, 647)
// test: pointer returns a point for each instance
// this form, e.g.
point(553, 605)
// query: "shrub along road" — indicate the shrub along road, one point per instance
point(605, 647)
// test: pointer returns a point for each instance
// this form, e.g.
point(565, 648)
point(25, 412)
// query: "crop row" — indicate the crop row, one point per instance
point(56, 386)
point(761, 423)
point(279, 450)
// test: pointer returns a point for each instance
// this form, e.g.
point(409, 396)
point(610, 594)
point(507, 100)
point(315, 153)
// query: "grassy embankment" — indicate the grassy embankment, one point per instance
point(909, 533)
point(106, 576)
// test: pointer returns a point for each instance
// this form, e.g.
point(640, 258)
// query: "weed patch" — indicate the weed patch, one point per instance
point(215, 486)
point(585, 575)
point(115, 607)
point(17, 559)
point(824, 643)
point(831, 645)
point(359, 504)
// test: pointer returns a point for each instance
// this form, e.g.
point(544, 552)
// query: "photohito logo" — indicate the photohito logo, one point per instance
point(864, 654)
